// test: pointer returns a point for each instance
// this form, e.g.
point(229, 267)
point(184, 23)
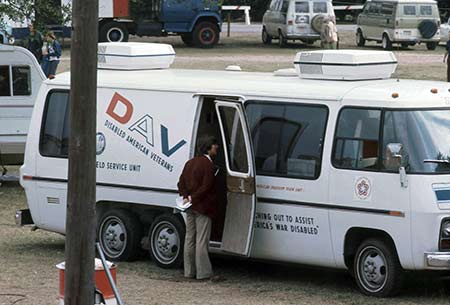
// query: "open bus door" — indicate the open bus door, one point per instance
point(241, 194)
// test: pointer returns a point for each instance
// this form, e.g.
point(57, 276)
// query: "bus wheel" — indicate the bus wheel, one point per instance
point(432, 45)
point(119, 234)
point(377, 268)
point(187, 39)
point(113, 32)
point(206, 35)
point(166, 241)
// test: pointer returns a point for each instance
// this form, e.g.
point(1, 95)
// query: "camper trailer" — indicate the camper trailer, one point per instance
point(20, 81)
point(333, 164)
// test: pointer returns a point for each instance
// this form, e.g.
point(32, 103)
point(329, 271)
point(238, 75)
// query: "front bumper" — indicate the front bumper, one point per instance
point(437, 260)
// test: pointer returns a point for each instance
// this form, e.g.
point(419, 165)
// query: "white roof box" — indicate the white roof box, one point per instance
point(345, 64)
point(134, 56)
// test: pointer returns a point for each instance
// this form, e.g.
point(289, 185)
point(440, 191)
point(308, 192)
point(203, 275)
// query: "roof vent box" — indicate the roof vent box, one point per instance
point(135, 56)
point(345, 64)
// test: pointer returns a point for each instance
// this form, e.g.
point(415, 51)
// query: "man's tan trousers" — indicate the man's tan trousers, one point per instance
point(196, 258)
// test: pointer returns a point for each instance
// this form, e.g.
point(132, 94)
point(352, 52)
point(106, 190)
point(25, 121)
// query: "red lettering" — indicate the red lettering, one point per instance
point(125, 118)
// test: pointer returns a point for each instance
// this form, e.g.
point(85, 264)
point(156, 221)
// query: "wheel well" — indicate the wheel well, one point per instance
point(145, 213)
point(211, 19)
point(355, 236)
point(131, 26)
point(387, 35)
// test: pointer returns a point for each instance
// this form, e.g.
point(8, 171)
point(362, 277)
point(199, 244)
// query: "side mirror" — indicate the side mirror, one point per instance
point(395, 159)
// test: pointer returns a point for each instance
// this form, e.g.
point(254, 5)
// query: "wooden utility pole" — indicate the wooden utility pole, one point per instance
point(80, 222)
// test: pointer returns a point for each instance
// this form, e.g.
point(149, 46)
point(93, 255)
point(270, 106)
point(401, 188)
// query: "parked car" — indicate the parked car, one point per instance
point(405, 22)
point(295, 20)
point(445, 29)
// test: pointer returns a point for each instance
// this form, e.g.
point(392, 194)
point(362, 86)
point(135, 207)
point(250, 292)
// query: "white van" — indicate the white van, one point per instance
point(342, 168)
point(20, 80)
point(295, 20)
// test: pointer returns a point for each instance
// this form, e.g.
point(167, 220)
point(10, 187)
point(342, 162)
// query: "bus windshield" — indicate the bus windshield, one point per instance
point(425, 136)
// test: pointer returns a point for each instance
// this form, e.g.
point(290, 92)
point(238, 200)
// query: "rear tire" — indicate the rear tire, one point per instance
point(432, 46)
point(119, 234)
point(206, 35)
point(113, 32)
point(166, 240)
point(360, 40)
point(386, 42)
point(377, 269)
point(266, 38)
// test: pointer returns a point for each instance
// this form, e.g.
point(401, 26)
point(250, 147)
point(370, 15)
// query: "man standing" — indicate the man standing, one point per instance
point(34, 43)
point(198, 185)
point(447, 57)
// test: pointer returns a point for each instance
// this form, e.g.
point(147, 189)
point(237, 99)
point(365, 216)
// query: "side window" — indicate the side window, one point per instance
point(356, 143)
point(387, 9)
point(54, 140)
point(426, 10)
point(366, 8)
point(273, 5)
point(319, 7)
point(409, 10)
point(287, 139)
point(5, 82)
point(302, 7)
point(285, 6)
point(21, 76)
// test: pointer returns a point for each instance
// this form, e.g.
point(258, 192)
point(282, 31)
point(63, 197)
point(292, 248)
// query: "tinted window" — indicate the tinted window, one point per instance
point(319, 7)
point(287, 139)
point(409, 10)
point(21, 80)
point(5, 85)
point(387, 9)
point(426, 10)
point(374, 8)
point(302, 7)
point(54, 140)
point(356, 141)
point(285, 6)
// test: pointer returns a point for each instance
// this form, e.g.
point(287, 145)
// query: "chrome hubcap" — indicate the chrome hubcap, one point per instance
point(372, 269)
point(165, 242)
point(113, 236)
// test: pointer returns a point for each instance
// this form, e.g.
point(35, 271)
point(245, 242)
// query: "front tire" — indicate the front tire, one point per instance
point(360, 40)
point(377, 269)
point(206, 35)
point(282, 41)
point(266, 38)
point(166, 239)
point(188, 39)
point(113, 32)
point(119, 234)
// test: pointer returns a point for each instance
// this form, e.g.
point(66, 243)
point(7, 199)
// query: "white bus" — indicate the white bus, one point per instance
point(341, 167)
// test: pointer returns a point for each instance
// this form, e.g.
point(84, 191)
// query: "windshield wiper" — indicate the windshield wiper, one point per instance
point(439, 161)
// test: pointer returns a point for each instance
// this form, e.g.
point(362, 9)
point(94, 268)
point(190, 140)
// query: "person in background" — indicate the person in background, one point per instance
point(53, 54)
point(34, 43)
point(197, 184)
point(447, 58)
point(328, 35)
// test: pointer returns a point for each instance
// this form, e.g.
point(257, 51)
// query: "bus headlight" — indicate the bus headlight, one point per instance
point(444, 243)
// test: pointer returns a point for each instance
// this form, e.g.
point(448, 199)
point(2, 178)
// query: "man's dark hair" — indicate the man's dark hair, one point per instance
point(205, 143)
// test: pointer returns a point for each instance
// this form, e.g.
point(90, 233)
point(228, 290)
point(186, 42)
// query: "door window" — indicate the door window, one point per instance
point(287, 138)
point(234, 137)
point(302, 7)
point(5, 83)
point(387, 9)
point(320, 7)
point(426, 10)
point(285, 6)
point(54, 140)
point(356, 144)
point(409, 10)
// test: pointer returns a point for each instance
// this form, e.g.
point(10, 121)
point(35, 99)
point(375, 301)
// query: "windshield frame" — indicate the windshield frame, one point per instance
point(383, 110)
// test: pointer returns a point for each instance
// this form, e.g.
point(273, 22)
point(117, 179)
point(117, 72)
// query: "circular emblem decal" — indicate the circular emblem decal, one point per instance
point(101, 143)
point(363, 188)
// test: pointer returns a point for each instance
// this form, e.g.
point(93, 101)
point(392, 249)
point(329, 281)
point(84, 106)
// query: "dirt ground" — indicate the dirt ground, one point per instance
point(27, 259)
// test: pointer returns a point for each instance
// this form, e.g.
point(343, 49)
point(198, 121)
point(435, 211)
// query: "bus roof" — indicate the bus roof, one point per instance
point(411, 93)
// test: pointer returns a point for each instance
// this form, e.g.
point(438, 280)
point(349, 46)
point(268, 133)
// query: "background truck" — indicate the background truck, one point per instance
point(197, 21)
